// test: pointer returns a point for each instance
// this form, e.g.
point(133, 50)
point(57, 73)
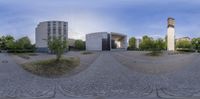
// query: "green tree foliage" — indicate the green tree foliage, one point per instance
point(183, 44)
point(132, 43)
point(6, 42)
point(196, 43)
point(159, 44)
point(165, 43)
point(147, 43)
point(57, 46)
point(80, 45)
point(23, 43)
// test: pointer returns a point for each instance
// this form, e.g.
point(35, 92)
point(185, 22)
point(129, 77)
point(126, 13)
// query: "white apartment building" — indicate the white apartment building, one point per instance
point(47, 30)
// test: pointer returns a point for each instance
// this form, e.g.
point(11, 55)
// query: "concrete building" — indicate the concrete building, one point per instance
point(138, 41)
point(183, 38)
point(102, 41)
point(171, 34)
point(71, 44)
point(47, 30)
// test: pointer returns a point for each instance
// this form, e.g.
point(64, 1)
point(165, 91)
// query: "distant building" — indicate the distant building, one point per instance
point(71, 42)
point(183, 38)
point(47, 30)
point(171, 34)
point(138, 41)
point(102, 41)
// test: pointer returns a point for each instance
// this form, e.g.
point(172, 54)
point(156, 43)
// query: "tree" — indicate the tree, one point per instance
point(0, 43)
point(147, 43)
point(196, 43)
point(165, 43)
point(57, 46)
point(79, 44)
point(183, 44)
point(159, 44)
point(132, 43)
point(10, 43)
point(6, 41)
point(23, 43)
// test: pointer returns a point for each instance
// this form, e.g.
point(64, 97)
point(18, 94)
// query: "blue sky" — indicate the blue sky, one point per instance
point(132, 17)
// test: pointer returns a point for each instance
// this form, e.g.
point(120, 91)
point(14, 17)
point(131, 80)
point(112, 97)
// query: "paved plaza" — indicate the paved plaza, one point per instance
point(107, 75)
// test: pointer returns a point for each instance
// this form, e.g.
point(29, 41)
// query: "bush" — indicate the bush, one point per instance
point(184, 44)
point(185, 50)
point(21, 51)
point(132, 43)
point(79, 45)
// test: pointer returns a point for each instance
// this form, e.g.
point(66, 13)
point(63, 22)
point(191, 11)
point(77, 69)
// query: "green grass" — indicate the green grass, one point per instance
point(25, 55)
point(86, 52)
point(22, 55)
point(32, 54)
point(154, 53)
point(52, 68)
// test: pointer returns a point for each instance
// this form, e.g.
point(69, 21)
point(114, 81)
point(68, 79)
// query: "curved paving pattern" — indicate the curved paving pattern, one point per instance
point(105, 77)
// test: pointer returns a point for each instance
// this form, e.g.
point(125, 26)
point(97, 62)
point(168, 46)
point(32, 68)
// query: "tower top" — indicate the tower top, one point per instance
point(171, 22)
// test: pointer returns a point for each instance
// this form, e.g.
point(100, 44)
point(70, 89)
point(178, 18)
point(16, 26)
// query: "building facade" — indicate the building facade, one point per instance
point(104, 41)
point(171, 34)
point(183, 38)
point(138, 41)
point(47, 30)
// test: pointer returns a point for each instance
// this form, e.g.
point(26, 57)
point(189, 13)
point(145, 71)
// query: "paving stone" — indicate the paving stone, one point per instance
point(107, 77)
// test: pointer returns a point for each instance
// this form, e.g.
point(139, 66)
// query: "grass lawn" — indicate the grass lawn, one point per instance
point(52, 68)
point(25, 55)
point(154, 53)
point(86, 52)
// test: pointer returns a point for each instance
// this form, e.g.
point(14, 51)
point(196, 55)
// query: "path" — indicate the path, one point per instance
point(105, 77)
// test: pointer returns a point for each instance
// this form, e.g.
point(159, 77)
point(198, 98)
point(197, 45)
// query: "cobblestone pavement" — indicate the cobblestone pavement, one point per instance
point(107, 77)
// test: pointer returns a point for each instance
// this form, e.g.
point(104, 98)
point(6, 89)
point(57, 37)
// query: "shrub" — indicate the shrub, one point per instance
point(185, 50)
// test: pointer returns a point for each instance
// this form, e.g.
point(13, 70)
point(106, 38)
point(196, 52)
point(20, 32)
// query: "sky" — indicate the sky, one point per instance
point(131, 17)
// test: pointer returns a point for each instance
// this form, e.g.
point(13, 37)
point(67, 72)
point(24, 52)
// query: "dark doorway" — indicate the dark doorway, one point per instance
point(114, 45)
point(106, 43)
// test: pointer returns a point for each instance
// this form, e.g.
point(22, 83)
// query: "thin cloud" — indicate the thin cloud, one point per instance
point(131, 17)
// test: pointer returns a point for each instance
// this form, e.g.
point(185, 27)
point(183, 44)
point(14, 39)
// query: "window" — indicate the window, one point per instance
point(49, 24)
point(54, 23)
point(65, 38)
point(54, 30)
point(59, 30)
point(65, 24)
point(64, 31)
